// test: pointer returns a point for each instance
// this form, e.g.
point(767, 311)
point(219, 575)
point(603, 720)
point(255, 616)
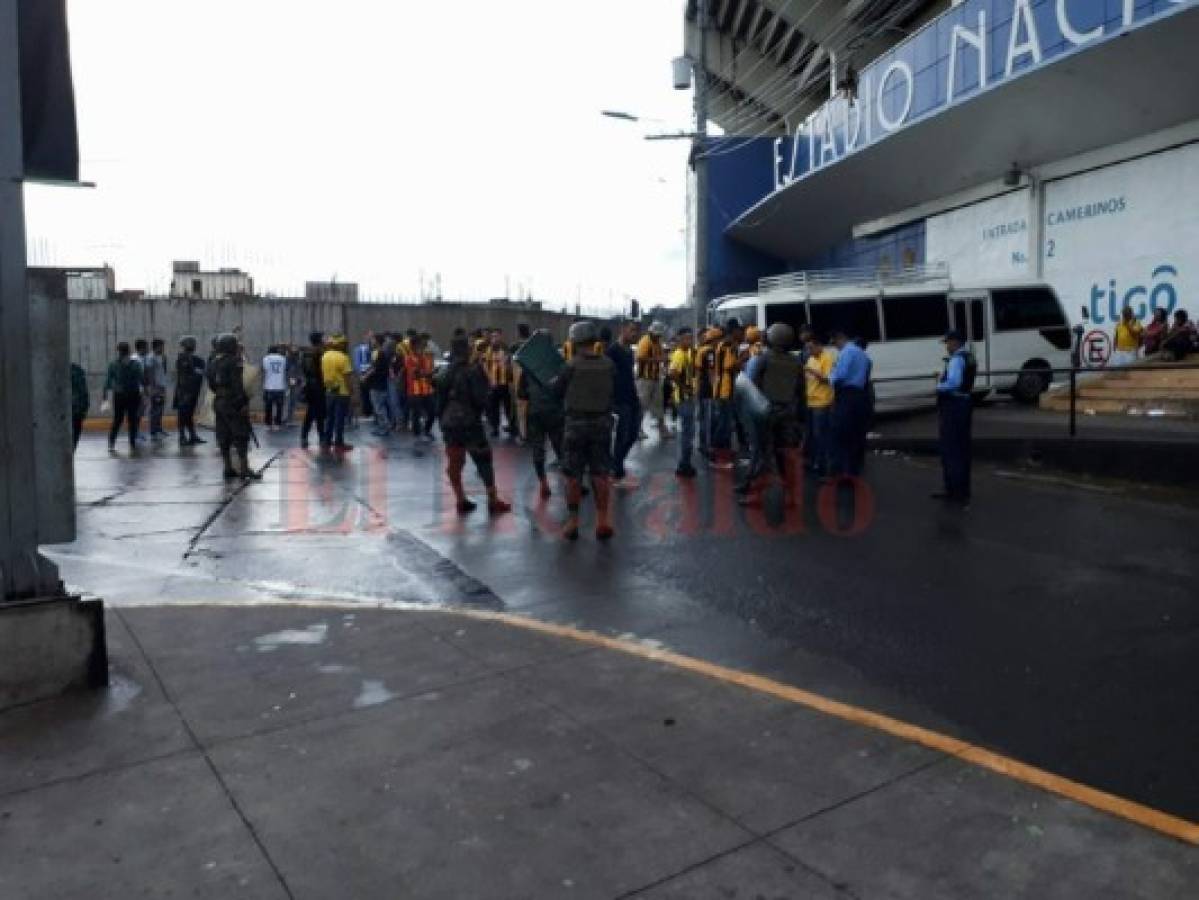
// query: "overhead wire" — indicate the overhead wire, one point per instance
point(831, 43)
point(844, 35)
point(774, 83)
point(784, 89)
point(730, 74)
point(886, 22)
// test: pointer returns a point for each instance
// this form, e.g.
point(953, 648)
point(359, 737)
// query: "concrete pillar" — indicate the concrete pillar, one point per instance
point(23, 573)
point(48, 640)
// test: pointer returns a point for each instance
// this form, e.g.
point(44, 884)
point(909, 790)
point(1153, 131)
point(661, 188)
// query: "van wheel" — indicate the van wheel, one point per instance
point(1033, 380)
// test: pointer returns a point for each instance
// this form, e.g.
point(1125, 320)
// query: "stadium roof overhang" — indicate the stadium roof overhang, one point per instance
point(768, 61)
point(1123, 88)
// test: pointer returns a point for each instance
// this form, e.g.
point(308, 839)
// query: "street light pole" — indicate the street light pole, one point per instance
point(699, 161)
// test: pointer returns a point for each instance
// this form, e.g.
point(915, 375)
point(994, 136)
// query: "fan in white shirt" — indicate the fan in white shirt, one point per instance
point(274, 387)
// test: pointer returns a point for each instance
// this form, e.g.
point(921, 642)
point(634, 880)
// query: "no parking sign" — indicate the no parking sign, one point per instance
point(1096, 349)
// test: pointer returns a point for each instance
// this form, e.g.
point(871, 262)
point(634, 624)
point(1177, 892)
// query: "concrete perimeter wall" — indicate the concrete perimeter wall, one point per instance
point(98, 325)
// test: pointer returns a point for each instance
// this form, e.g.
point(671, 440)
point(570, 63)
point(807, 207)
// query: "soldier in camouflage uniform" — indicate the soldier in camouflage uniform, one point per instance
point(545, 420)
point(585, 386)
point(231, 406)
point(779, 376)
point(462, 393)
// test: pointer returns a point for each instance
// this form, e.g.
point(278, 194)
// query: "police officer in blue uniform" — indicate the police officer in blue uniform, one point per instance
point(850, 379)
point(955, 409)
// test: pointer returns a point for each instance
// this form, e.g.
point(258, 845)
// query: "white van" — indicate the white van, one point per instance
point(1014, 327)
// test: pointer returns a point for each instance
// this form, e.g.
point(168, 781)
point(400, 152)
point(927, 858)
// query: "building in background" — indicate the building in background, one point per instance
point(1011, 140)
point(529, 303)
point(90, 284)
point(190, 282)
point(331, 291)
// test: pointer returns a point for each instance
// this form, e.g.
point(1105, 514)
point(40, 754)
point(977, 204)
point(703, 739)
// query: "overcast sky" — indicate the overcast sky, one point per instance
point(373, 139)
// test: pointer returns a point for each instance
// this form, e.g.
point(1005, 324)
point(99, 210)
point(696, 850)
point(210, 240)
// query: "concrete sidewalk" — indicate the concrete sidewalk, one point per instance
point(329, 752)
point(1139, 449)
point(1004, 420)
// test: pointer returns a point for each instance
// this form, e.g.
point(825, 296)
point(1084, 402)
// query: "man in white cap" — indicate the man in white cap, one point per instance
point(651, 363)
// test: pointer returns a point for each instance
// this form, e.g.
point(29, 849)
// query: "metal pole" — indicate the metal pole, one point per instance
point(1075, 363)
point(23, 573)
point(699, 161)
point(1073, 401)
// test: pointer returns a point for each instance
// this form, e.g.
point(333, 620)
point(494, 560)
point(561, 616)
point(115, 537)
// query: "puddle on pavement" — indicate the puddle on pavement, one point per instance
point(310, 636)
point(120, 695)
point(334, 669)
point(373, 693)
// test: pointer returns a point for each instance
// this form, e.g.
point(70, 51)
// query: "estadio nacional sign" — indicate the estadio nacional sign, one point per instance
point(970, 48)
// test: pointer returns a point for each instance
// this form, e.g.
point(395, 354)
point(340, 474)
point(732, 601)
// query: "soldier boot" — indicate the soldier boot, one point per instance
point(455, 463)
point(603, 509)
point(245, 471)
point(574, 496)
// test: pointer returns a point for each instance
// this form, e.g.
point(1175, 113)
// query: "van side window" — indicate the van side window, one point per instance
point(859, 318)
point(1019, 309)
point(793, 314)
point(921, 316)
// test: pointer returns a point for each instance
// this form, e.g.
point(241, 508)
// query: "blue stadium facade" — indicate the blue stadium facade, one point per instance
point(1053, 140)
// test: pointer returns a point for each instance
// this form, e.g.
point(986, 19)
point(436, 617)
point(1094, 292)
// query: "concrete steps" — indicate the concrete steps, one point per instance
point(1135, 390)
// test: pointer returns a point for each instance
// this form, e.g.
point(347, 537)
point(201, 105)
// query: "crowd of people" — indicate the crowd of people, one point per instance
point(1164, 338)
point(611, 386)
point(733, 397)
point(762, 403)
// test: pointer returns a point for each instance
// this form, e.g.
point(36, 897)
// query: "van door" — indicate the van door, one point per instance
point(969, 316)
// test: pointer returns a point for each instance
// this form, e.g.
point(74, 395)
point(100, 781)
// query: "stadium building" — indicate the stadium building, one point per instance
point(1043, 140)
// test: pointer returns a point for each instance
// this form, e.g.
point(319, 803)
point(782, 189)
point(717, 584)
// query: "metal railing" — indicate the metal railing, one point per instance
point(874, 279)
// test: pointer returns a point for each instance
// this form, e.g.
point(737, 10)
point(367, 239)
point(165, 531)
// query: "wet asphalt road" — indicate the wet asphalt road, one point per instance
point(1055, 622)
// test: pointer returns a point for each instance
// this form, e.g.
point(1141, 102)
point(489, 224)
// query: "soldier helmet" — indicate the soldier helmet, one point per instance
point(583, 333)
point(460, 347)
point(780, 336)
point(227, 343)
point(657, 329)
point(188, 343)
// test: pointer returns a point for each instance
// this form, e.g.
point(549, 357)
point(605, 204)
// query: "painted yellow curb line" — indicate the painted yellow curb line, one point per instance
point(1145, 816)
point(1130, 811)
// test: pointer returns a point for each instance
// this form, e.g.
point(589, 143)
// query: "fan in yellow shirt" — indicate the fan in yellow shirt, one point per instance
point(1130, 334)
point(684, 378)
point(819, 392)
point(336, 373)
point(336, 368)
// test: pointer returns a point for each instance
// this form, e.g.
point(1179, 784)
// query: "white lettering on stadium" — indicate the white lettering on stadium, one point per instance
point(886, 101)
